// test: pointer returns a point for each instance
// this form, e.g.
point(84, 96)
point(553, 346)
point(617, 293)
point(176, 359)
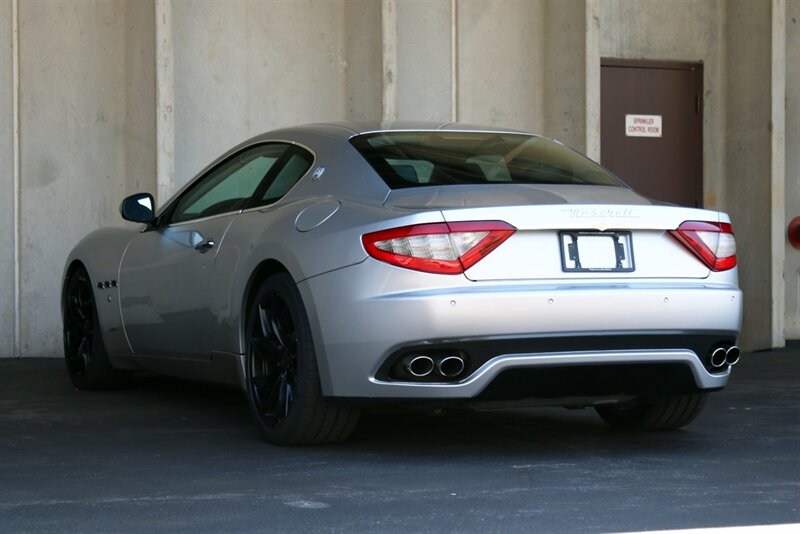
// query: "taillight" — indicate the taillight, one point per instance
point(442, 248)
point(711, 242)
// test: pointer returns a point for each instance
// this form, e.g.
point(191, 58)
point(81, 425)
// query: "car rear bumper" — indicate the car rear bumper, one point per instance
point(369, 313)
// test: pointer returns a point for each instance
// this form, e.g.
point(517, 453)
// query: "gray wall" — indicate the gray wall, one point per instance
point(679, 30)
point(733, 40)
point(564, 85)
point(364, 59)
point(88, 93)
point(501, 63)
point(6, 184)
point(423, 77)
point(747, 142)
point(792, 265)
point(242, 68)
point(87, 124)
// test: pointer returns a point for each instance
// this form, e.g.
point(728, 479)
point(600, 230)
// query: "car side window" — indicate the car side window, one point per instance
point(229, 186)
point(297, 162)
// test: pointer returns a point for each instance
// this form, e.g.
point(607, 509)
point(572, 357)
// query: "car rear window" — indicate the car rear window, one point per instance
point(435, 158)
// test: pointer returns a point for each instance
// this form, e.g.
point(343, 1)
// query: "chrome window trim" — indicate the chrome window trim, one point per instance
point(203, 219)
point(202, 174)
point(438, 130)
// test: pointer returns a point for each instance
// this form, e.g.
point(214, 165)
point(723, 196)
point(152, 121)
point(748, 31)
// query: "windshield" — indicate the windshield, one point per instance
point(433, 158)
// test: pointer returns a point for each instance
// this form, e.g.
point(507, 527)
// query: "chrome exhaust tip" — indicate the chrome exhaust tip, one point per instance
point(732, 355)
point(419, 366)
point(718, 358)
point(451, 366)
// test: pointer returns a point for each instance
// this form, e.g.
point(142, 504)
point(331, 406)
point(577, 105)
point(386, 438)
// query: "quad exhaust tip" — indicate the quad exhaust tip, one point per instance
point(717, 358)
point(732, 355)
point(451, 366)
point(419, 366)
point(721, 356)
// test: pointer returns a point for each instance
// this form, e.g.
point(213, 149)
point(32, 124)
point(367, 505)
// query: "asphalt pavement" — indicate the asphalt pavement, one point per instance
point(171, 456)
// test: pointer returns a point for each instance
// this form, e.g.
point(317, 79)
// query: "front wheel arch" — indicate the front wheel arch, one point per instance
point(70, 271)
point(88, 366)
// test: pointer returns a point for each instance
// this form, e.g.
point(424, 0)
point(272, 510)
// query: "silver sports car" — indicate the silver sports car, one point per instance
point(328, 267)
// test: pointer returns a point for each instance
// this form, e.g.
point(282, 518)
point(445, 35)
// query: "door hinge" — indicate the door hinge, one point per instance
point(698, 102)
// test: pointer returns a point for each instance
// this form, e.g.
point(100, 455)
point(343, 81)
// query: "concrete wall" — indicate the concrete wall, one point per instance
point(733, 40)
point(89, 99)
point(747, 137)
point(86, 108)
point(501, 63)
point(363, 80)
point(6, 182)
point(242, 68)
point(792, 264)
point(678, 30)
point(423, 77)
point(564, 85)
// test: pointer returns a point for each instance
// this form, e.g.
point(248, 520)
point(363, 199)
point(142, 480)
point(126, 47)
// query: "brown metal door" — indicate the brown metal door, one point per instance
point(652, 127)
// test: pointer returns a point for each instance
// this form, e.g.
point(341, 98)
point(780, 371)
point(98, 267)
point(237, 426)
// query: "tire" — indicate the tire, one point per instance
point(282, 378)
point(667, 413)
point(85, 355)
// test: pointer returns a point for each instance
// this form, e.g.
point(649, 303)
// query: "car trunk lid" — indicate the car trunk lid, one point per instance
point(568, 232)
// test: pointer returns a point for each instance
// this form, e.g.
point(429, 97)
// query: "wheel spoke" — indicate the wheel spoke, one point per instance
point(276, 314)
point(288, 394)
point(282, 401)
point(273, 359)
point(79, 325)
point(271, 341)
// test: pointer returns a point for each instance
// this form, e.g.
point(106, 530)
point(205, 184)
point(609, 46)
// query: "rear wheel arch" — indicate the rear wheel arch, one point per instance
point(263, 270)
point(281, 375)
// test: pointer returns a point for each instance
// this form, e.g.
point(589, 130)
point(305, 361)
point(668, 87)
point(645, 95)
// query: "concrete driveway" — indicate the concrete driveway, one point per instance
point(171, 456)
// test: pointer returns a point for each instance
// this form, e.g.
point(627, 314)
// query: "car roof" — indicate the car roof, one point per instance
point(326, 136)
point(348, 129)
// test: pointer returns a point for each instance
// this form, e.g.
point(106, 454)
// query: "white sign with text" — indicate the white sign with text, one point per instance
point(643, 125)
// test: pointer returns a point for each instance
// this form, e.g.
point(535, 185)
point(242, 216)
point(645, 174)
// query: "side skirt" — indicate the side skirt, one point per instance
point(222, 368)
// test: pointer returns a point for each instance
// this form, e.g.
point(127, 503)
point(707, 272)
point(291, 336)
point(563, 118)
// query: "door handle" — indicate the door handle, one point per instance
point(205, 245)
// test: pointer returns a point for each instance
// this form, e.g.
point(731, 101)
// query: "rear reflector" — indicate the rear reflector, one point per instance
point(442, 248)
point(712, 242)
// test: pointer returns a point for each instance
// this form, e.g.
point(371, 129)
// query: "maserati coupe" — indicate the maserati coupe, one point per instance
point(331, 267)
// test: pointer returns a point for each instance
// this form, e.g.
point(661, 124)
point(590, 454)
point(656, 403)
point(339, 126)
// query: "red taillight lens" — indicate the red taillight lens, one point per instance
point(442, 248)
point(712, 242)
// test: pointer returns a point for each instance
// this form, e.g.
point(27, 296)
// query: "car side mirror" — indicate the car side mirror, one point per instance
point(138, 208)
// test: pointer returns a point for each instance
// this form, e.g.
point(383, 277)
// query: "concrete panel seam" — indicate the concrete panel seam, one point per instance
point(593, 79)
point(16, 171)
point(389, 53)
point(454, 60)
point(778, 169)
point(165, 97)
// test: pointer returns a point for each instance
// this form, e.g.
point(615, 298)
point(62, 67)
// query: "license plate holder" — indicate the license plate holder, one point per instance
point(589, 251)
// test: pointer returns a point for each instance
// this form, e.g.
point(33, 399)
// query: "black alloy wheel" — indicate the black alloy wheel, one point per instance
point(85, 355)
point(667, 413)
point(79, 325)
point(273, 362)
point(283, 386)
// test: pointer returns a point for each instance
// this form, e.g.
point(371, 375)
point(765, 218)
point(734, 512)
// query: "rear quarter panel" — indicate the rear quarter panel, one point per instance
point(270, 234)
